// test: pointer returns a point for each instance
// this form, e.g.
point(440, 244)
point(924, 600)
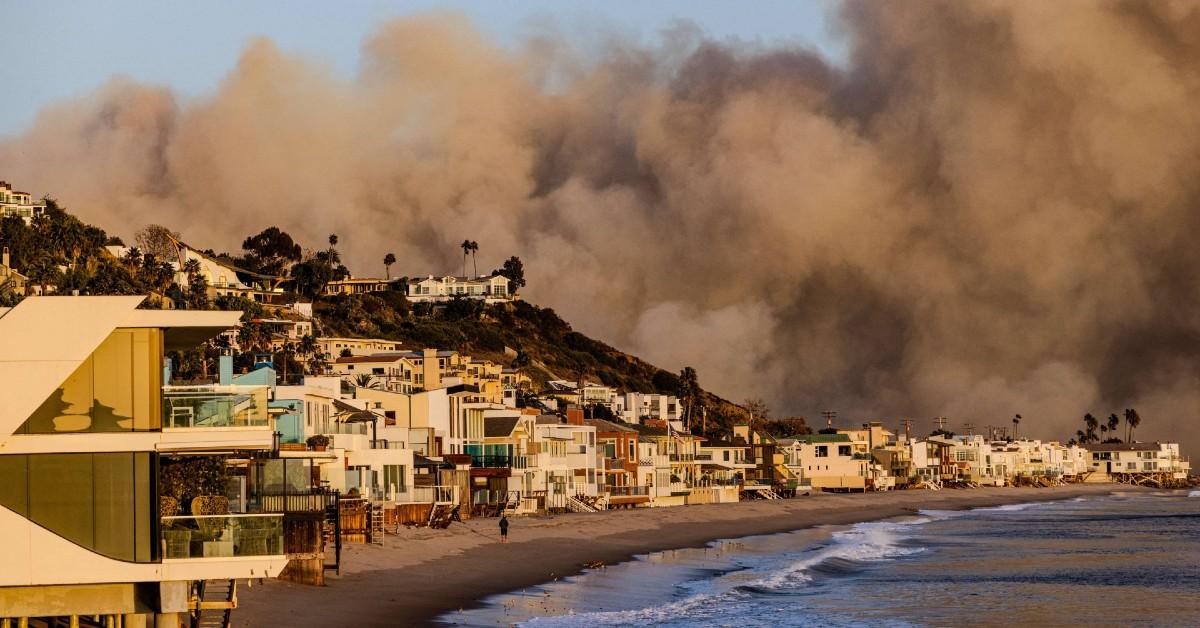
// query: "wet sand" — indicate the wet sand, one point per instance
point(422, 573)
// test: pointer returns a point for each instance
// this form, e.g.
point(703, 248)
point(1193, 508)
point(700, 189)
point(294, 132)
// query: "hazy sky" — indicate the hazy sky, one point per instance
point(54, 50)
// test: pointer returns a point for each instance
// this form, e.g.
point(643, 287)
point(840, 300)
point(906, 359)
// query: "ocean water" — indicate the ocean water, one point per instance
point(1119, 560)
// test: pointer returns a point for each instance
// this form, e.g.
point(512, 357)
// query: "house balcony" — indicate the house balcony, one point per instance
point(222, 536)
point(186, 407)
point(491, 462)
point(683, 457)
point(216, 418)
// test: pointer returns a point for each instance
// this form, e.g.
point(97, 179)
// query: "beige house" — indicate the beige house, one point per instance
point(11, 280)
point(360, 285)
point(333, 347)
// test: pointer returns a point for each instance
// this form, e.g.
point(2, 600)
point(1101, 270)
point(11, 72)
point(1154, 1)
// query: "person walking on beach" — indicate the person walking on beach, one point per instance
point(503, 529)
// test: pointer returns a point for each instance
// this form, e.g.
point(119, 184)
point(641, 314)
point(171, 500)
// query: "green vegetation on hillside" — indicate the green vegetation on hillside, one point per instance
point(64, 254)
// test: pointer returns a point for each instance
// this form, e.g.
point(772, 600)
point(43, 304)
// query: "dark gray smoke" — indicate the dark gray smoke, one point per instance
point(989, 209)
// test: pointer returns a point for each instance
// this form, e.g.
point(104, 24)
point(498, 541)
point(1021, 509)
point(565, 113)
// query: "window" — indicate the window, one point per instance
point(393, 478)
point(101, 501)
point(116, 389)
point(844, 451)
point(822, 451)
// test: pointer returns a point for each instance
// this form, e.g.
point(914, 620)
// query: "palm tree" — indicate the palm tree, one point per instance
point(1080, 437)
point(1091, 423)
point(1132, 420)
point(689, 389)
point(362, 380)
point(307, 347)
point(466, 247)
point(1103, 431)
point(1113, 423)
point(1016, 422)
point(388, 260)
point(474, 261)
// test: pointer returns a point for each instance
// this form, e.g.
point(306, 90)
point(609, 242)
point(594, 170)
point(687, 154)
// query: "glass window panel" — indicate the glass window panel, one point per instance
point(61, 495)
point(272, 476)
point(145, 507)
point(14, 479)
point(112, 383)
point(146, 365)
point(114, 505)
point(296, 475)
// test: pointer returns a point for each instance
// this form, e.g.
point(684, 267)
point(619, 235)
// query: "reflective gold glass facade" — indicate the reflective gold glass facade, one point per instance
point(117, 389)
point(101, 501)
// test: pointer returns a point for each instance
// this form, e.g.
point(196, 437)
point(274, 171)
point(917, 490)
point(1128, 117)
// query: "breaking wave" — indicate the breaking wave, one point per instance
point(847, 552)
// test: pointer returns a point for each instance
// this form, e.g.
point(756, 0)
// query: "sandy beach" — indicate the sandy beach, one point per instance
point(422, 573)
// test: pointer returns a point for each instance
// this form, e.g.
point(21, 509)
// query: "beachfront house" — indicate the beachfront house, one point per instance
point(87, 427)
point(1138, 462)
point(827, 462)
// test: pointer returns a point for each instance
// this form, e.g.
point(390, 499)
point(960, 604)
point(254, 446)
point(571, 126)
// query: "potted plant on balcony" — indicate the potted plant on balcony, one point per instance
point(318, 442)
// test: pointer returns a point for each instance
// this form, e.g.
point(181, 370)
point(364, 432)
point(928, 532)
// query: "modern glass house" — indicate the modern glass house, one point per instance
point(87, 524)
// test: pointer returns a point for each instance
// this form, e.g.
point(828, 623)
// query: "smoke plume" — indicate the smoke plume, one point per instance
point(989, 208)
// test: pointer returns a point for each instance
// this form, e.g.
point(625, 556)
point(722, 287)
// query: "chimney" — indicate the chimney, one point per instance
point(575, 416)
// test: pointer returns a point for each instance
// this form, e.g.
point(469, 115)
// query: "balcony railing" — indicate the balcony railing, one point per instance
point(313, 500)
point(626, 491)
point(222, 536)
point(209, 406)
point(683, 457)
point(491, 462)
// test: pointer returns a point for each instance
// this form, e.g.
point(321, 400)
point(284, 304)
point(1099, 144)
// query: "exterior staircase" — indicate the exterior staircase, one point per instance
point(574, 504)
point(213, 602)
point(377, 524)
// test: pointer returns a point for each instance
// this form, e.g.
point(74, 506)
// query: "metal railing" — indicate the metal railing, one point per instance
point(491, 462)
point(626, 491)
point(315, 500)
point(427, 495)
point(222, 536)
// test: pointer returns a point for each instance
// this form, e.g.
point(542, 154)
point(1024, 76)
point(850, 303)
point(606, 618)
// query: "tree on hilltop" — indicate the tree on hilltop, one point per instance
point(514, 270)
point(270, 252)
point(158, 241)
point(388, 260)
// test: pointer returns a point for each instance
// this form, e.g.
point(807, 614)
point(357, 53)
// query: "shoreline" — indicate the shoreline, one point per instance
point(422, 574)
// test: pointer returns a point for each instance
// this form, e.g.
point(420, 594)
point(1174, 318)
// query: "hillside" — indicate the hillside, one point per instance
point(517, 334)
point(62, 254)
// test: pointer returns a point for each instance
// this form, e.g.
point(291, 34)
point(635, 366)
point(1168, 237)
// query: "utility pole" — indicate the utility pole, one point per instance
point(907, 423)
point(830, 416)
point(940, 422)
point(970, 428)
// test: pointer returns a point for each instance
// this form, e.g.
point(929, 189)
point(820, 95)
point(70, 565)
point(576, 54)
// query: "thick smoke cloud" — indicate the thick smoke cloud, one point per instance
point(989, 209)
